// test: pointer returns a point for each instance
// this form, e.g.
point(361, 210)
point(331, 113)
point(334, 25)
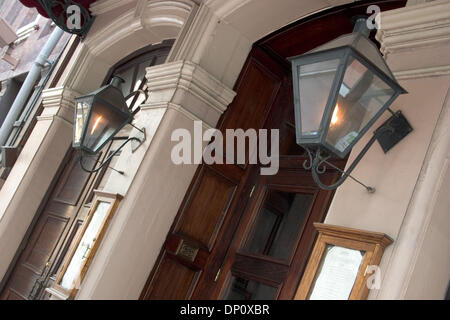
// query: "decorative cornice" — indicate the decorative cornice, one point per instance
point(58, 97)
point(158, 19)
point(188, 76)
point(164, 13)
point(423, 72)
point(225, 8)
point(176, 107)
point(422, 25)
point(58, 102)
point(104, 6)
point(354, 234)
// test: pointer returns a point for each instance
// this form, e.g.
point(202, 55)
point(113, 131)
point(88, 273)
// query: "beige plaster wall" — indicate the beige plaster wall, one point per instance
point(430, 275)
point(395, 174)
point(410, 204)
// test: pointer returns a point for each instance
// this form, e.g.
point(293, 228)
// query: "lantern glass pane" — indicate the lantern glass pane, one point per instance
point(361, 96)
point(315, 81)
point(103, 123)
point(368, 49)
point(80, 120)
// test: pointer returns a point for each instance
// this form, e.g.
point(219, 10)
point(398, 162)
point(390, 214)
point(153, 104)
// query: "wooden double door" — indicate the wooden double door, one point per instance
point(50, 237)
point(241, 243)
point(240, 234)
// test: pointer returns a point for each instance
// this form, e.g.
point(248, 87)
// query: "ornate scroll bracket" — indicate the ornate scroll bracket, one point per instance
point(69, 15)
point(388, 135)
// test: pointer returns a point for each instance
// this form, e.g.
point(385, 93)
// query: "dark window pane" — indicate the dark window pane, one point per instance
point(278, 224)
point(242, 289)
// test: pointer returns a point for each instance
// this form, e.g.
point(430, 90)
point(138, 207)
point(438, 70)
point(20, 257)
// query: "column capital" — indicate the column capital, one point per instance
point(420, 25)
point(58, 102)
point(189, 86)
point(421, 35)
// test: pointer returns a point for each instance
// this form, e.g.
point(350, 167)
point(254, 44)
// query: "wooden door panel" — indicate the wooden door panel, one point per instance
point(172, 280)
point(272, 271)
point(23, 280)
point(11, 295)
point(48, 235)
point(51, 229)
point(278, 271)
point(205, 212)
point(216, 189)
point(255, 97)
point(258, 87)
point(74, 179)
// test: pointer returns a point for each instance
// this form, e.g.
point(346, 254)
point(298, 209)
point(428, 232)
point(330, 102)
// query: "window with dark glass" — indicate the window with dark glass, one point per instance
point(133, 71)
point(270, 245)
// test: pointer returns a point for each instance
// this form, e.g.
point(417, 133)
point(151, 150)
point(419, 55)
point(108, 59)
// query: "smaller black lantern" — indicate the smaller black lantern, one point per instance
point(340, 89)
point(99, 116)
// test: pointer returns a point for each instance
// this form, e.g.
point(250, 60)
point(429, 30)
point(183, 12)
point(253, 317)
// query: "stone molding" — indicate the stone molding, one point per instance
point(156, 17)
point(425, 26)
point(104, 6)
point(423, 72)
point(58, 102)
point(149, 21)
point(422, 25)
point(189, 78)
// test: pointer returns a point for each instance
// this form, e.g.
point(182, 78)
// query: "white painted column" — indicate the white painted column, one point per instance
point(416, 40)
point(153, 186)
point(33, 172)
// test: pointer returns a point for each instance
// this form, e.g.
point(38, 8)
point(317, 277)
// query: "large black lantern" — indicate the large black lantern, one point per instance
point(99, 116)
point(340, 89)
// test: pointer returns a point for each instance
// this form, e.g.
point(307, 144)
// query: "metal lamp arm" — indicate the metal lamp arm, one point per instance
point(109, 157)
point(133, 94)
point(319, 161)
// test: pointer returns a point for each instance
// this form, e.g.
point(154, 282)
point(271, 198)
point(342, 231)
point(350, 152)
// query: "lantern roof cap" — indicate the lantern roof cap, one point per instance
point(361, 44)
point(358, 41)
point(111, 93)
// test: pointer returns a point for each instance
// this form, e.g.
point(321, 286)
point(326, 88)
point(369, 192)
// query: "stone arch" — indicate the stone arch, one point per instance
point(119, 31)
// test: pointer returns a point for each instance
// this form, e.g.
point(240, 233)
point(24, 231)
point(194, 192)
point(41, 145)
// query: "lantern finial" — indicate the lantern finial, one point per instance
point(116, 81)
point(360, 25)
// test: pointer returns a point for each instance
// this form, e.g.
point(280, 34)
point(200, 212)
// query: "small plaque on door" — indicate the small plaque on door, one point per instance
point(187, 251)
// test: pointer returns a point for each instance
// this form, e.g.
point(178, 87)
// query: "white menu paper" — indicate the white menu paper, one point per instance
point(337, 274)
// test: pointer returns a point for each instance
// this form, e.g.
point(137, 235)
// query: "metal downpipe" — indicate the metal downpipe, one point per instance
point(28, 85)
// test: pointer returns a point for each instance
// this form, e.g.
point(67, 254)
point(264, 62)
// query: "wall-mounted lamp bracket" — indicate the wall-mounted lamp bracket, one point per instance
point(390, 133)
point(108, 159)
point(140, 137)
point(400, 129)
